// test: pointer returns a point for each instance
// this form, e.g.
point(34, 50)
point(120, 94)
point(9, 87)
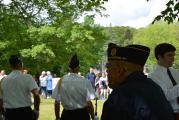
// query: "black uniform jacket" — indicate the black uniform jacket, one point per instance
point(139, 98)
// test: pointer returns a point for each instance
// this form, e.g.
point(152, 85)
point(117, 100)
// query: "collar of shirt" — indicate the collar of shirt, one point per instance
point(16, 71)
point(73, 74)
point(161, 68)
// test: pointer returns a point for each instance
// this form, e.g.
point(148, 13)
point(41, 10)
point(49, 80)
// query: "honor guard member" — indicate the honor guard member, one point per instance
point(166, 76)
point(75, 93)
point(16, 91)
point(134, 96)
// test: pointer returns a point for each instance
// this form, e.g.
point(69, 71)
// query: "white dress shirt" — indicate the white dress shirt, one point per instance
point(161, 77)
point(74, 93)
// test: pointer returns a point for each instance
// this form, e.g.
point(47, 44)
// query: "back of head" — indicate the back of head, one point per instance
point(15, 60)
point(48, 73)
point(43, 73)
point(163, 48)
point(91, 70)
point(2, 72)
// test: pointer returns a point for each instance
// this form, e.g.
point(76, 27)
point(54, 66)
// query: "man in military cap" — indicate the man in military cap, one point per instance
point(134, 96)
point(16, 91)
point(75, 94)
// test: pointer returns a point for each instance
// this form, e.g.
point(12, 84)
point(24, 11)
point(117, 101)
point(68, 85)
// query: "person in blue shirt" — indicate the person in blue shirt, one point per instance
point(49, 84)
point(91, 77)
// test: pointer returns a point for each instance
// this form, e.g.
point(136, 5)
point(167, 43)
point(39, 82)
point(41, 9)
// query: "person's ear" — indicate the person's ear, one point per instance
point(159, 57)
point(121, 75)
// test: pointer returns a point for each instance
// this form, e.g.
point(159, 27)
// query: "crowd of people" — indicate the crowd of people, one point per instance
point(46, 84)
point(130, 93)
point(99, 81)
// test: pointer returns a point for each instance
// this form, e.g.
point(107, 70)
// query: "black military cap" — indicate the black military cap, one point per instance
point(74, 62)
point(137, 54)
point(15, 59)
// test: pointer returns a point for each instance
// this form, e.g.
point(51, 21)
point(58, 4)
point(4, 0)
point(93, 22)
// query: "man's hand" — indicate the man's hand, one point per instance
point(36, 114)
point(90, 109)
point(57, 110)
point(96, 118)
point(2, 117)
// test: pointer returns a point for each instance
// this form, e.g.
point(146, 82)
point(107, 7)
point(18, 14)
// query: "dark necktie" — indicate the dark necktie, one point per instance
point(172, 80)
point(171, 77)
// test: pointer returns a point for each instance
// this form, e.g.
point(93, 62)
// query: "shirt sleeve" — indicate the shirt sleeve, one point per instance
point(1, 91)
point(55, 93)
point(31, 83)
point(90, 91)
point(175, 74)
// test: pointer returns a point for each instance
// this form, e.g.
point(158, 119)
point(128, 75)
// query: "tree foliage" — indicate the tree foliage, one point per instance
point(171, 13)
point(158, 33)
point(120, 35)
point(46, 33)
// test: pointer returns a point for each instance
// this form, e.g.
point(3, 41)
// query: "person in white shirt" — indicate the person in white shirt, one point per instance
point(104, 86)
point(165, 54)
point(16, 89)
point(75, 94)
point(43, 84)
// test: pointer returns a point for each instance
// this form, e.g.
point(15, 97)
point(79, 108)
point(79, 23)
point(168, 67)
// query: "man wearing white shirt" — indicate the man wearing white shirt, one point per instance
point(43, 84)
point(75, 93)
point(164, 75)
point(15, 95)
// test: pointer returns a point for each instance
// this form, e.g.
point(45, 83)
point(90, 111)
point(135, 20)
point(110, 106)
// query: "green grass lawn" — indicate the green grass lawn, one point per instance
point(47, 109)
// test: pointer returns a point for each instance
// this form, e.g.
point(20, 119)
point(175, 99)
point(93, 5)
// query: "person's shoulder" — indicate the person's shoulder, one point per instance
point(84, 80)
point(174, 70)
point(27, 76)
point(80, 76)
point(150, 75)
point(175, 73)
point(65, 77)
point(154, 73)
